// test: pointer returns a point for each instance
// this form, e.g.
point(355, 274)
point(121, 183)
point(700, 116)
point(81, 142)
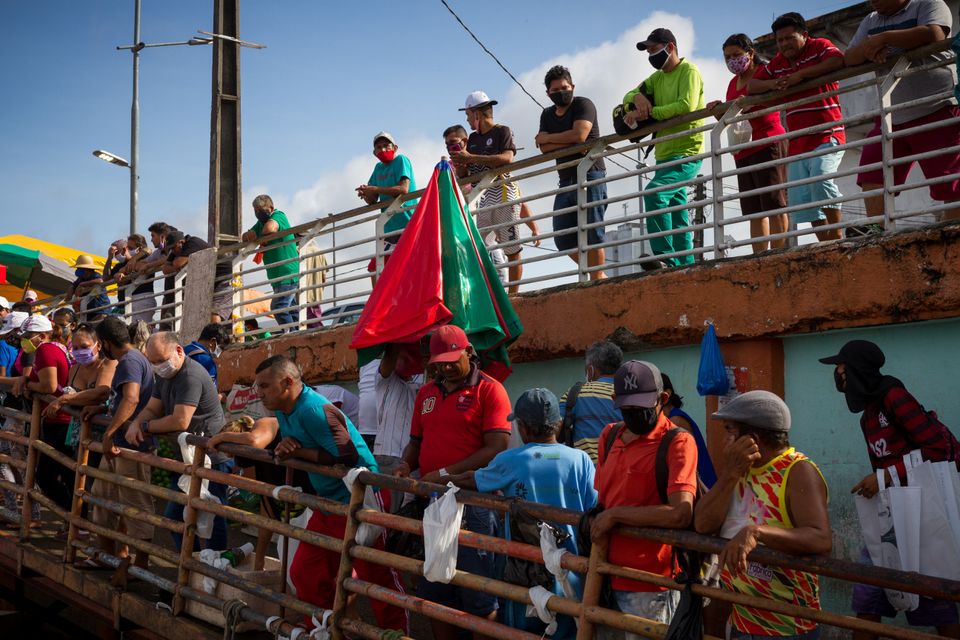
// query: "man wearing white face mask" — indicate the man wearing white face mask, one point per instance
point(677, 89)
point(184, 399)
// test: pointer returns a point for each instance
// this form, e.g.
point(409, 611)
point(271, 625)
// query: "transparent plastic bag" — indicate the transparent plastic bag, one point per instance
point(441, 526)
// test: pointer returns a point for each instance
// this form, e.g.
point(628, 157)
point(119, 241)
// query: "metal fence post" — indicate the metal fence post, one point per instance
point(178, 299)
point(189, 530)
point(346, 560)
point(582, 204)
point(885, 89)
point(76, 505)
point(716, 181)
point(26, 513)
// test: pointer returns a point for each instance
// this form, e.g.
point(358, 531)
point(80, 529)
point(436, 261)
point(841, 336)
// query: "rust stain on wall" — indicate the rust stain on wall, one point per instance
point(905, 277)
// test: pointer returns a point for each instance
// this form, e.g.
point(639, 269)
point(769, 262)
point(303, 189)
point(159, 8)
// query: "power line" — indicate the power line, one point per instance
point(490, 53)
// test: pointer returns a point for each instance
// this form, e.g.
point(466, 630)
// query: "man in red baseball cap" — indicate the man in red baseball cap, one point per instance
point(459, 424)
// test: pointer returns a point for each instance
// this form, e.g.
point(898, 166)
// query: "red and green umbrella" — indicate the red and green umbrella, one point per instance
point(439, 273)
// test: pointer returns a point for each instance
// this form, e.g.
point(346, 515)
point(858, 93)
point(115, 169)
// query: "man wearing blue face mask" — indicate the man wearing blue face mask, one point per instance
point(676, 88)
point(88, 281)
point(207, 348)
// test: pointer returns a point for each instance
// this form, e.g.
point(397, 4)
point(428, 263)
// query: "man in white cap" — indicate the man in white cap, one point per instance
point(30, 296)
point(491, 145)
point(771, 494)
point(392, 177)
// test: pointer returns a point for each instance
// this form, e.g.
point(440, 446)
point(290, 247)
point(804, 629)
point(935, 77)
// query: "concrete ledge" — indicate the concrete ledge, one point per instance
point(905, 277)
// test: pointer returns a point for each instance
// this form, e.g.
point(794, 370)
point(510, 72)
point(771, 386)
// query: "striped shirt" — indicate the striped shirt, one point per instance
point(898, 424)
point(395, 400)
point(593, 411)
point(818, 111)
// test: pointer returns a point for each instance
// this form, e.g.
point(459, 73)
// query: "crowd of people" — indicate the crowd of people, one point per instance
point(617, 447)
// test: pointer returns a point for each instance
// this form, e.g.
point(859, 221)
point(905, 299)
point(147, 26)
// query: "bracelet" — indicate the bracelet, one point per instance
point(443, 472)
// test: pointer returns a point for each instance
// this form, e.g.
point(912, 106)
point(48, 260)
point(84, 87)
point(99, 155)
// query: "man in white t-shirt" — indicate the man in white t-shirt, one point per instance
point(341, 399)
point(367, 411)
point(398, 379)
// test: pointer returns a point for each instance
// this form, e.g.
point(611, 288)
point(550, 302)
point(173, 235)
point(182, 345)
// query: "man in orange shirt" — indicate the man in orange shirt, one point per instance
point(628, 491)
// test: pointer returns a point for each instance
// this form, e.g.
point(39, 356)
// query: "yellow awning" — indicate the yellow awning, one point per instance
point(65, 254)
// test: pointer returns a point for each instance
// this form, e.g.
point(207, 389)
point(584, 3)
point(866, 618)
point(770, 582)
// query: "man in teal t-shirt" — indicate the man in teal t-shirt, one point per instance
point(677, 89)
point(392, 177)
point(314, 430)
point(283, 265)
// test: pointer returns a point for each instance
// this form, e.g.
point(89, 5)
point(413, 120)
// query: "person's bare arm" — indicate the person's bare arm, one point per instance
point(178, 263)
point(575, 135)
point(465, 480)
point(46, 383)
point(262, 434)
point(811, 534)
point(809, 73)
point(493, 443)
point(410, 459)
point(495, 160)
point(675, 515)
point(873, 47)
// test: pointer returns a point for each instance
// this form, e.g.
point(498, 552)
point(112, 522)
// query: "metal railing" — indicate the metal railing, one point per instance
point(588, 610)
point(339, 255)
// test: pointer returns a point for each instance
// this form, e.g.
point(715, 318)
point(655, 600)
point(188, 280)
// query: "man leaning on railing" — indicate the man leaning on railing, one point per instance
point(894, 27)
point(284, 277)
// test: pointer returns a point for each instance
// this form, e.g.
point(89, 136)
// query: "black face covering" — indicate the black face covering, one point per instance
point(262, 216)
point(561, 98)
point(640, 420)
point(658, 59)
point(865, 384)
point(838, 381)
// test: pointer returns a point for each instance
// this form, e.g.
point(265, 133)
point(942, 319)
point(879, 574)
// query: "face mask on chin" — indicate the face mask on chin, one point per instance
point(561, 98)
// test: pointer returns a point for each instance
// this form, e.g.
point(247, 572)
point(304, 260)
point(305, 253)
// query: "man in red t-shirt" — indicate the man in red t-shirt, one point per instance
point(459, 424)
point(803, 58)
point(629, 494)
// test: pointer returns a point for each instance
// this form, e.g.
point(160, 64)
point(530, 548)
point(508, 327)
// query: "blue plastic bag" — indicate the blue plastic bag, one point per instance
point(712, 376)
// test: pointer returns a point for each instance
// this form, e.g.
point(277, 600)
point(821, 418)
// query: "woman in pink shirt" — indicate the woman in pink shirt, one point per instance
point(742, 61)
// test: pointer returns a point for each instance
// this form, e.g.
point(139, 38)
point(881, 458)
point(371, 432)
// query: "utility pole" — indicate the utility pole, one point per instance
point(135, 119)
point(224, 222)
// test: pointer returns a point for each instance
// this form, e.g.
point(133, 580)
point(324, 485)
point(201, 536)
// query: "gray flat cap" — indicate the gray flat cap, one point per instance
point(761, 409)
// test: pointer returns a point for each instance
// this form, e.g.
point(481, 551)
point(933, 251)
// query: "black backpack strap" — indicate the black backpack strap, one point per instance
point(608, 443)
point(572, 394)
point(662, 469)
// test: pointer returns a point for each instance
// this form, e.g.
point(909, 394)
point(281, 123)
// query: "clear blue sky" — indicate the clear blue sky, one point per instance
point(333, 74)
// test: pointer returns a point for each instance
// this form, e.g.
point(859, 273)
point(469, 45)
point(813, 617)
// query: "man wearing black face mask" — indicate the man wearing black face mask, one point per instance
point(893, 424)
point(677, 89)
point(627, 488)
point(285, 276)
point(573, 121)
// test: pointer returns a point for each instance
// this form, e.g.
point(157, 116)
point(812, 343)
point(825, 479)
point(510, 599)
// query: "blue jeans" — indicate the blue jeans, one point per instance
point(564, 221)
point(174, 511)
point(280, 302)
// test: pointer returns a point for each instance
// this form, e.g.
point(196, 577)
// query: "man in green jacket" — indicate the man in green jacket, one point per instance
point(281, 257)
point(677, 89)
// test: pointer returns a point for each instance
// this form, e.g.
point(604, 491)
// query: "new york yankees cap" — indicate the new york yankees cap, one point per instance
point(637, 384)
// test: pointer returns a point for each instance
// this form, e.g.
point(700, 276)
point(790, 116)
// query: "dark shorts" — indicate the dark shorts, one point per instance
point(873, 601)
point(372, 265)
point(475, 561)
point(566, 221)
point(931, 140)
point(760, 178)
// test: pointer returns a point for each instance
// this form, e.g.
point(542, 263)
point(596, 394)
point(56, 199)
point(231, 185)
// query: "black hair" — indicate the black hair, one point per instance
point(280, 363)
point(557, 72)
point(743, 41)
point(65, 311)
point(160, 228)
point(455, 128)
point(214, 331)
point(675, 399)
point(544, 430)
point(138, 240)
point(113, 331)
point(767, 437)
point(251, 322)
point(87, 328)
point(174, 236)
point(791, 19)
point(22, 306)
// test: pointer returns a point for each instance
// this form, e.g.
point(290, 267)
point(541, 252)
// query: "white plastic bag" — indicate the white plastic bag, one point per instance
point(877, 524)
point(204, 518)
point(367, 534)
point(441, 526)
point(937, 549)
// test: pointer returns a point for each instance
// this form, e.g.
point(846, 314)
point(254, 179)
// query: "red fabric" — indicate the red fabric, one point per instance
point(899, 424)
point(52, 354)
point(817, 111)
point(313, 572)
point(407, 301)
point(763, 127)
point(627, 478)
point(451, 426)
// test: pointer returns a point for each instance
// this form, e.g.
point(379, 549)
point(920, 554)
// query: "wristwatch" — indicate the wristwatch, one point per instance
point(145, 426)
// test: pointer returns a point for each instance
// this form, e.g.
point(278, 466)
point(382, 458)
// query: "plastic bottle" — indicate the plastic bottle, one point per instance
point(434, 496)
point(237, 555)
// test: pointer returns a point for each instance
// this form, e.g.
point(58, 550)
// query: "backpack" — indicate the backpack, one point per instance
point(568, 418)
point(525, 528)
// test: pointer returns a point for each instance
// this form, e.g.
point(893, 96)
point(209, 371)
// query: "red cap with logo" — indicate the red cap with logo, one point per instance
point(447, 343)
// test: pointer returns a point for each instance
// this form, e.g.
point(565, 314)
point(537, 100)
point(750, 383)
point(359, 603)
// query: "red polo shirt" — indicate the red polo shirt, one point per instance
point(817, 111)
point(451, 425)
point(627, 478)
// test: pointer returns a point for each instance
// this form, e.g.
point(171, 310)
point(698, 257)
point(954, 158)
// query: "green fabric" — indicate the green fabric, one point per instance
point(674, 220)
point(279, 254)
point(675, 94)
point(472, 290)
point(19, 262)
